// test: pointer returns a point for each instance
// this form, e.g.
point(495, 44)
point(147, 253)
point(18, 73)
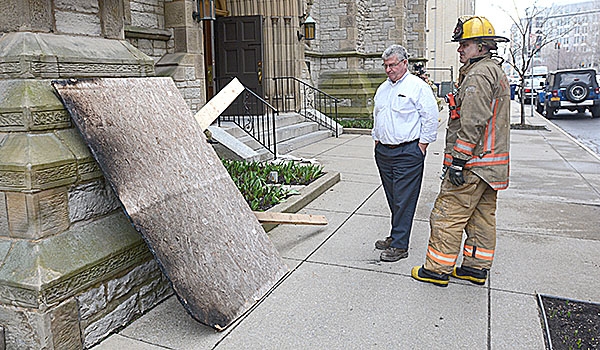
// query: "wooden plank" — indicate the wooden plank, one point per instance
point(177, 194)
point(290, 218)
point(219, 103)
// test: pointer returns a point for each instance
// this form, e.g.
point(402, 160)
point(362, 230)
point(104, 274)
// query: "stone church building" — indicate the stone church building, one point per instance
point(73, 269)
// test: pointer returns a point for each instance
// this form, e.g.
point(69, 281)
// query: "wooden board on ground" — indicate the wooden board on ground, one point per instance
point(177, 193)
point(267, 217)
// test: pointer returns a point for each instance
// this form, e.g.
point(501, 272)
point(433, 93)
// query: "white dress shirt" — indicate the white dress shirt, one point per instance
point(405, 111)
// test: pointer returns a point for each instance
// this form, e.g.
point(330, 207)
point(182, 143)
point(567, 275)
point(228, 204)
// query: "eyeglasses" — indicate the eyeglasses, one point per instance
point(391, 65)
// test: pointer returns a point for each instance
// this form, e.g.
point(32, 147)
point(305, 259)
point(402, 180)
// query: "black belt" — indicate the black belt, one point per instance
point(400, 144)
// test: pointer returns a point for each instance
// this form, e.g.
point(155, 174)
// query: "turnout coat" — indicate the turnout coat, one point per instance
point(481, 134)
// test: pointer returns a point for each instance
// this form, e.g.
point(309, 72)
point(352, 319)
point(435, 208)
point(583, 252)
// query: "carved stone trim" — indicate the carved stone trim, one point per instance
point(12, 119)
point(55, 174)
point(51, 118)
point(69, 286)
point(13, 180)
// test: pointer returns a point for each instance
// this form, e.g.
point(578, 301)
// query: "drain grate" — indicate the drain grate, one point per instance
point(569, 323)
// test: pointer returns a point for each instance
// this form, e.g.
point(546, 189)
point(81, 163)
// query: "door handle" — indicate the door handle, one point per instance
point(259, 71)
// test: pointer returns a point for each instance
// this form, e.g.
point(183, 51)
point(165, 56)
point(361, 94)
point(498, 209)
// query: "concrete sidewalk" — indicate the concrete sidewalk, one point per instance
point(339, 296)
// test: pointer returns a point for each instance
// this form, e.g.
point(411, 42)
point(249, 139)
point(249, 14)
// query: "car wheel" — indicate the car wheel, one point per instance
point(539, 107)
point(595, 112)
point(550, 112)
point(577, 92)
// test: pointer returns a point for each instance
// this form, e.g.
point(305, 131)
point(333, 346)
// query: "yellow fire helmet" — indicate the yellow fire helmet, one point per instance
point(475, 27)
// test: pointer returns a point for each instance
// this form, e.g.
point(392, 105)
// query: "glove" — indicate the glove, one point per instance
point(455, 172)
point(444, 171)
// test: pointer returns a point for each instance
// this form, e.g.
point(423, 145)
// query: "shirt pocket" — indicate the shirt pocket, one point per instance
point(402, 105)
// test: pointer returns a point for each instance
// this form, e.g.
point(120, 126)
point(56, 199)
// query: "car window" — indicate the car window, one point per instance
point(566, 79)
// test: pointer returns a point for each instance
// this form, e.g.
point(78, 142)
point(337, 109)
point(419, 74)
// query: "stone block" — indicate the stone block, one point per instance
point(38, 215)
point(87, 168)
point(113, 22)
point(77, 23)
point(92, 302)
point(3, 216)
point(90, 200)
point(119, 317)
point(63, 56)
point(60, 266)
point(175, 14)
point(64, 325)
point(83, 6)
point(33, 15)
point(35, 161)
point(180, 39)
point(155, 292)
point(122, 286)
point(144, 19)
point(24, 328)
point(28, 104)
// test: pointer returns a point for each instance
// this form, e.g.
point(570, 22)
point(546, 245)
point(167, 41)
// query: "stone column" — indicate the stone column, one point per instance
point(186, 64)
point(73, 267)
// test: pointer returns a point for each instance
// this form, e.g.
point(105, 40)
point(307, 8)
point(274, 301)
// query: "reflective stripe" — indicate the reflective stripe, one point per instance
point(480, 253)
point(499, 185)
point(490, 130)
point(489, 159)
point(441, 258)
point(464, 147)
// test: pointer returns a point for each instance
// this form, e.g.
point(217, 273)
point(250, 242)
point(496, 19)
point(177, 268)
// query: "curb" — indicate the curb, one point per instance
point(357, 131)
point(307, 195)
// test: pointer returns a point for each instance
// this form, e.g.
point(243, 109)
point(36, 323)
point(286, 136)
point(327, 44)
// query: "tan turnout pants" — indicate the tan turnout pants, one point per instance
point(472, 208)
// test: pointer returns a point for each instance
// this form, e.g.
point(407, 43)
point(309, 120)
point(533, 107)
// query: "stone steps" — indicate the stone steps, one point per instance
point(292, 132)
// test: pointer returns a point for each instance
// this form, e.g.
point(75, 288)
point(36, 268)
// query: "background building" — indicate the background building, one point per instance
point(570, 34)
point(441, 52)
point(578, 31)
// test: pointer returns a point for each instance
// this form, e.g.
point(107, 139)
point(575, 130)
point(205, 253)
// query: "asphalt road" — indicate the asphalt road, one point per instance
point(581, 126)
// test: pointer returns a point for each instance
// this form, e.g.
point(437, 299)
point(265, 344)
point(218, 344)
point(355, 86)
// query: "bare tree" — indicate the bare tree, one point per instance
point(530, 34)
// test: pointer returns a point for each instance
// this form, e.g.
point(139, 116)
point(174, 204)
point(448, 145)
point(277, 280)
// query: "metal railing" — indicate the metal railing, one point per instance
point(255, 116)
point(294, 95)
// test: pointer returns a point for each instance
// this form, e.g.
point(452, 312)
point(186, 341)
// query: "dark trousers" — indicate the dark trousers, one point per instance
point(401, 172)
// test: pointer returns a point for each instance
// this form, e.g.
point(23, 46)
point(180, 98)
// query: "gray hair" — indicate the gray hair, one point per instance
point(397, 50)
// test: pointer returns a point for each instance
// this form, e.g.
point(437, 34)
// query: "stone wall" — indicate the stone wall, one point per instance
point(351, 36)
point(73, 268)
point(126, 297)
point(148, 14)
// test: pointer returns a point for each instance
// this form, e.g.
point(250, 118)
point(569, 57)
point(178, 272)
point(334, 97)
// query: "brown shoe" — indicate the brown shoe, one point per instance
point(383, 244)
point(393, 254)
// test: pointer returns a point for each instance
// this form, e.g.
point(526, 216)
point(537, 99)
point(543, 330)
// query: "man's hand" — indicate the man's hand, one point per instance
point(455, 172)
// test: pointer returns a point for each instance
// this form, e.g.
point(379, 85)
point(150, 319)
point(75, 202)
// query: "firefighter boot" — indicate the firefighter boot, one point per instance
point(421, 274)
point(470, 274)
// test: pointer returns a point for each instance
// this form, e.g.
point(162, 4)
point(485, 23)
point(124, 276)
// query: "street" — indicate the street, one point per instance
point(581, 126)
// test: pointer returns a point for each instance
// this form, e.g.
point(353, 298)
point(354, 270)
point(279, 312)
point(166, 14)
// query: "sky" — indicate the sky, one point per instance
point(498, 11)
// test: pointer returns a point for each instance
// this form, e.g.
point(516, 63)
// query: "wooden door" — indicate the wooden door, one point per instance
point(239, 52)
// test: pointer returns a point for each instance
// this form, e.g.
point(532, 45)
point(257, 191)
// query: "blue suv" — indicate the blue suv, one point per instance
point(573, 89)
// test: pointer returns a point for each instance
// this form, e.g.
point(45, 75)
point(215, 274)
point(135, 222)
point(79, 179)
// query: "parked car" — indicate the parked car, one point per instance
point(530, 90)
point(573, 89)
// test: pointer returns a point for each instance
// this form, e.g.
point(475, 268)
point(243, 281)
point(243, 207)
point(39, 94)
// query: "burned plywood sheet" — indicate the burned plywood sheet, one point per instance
point(177, 193)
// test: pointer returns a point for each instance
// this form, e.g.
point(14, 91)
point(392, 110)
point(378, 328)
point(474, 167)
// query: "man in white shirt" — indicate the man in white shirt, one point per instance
point(405, 123)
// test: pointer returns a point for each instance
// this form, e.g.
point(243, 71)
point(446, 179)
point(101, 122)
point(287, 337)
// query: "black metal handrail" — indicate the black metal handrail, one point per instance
point(255, 116)
point(294, 95)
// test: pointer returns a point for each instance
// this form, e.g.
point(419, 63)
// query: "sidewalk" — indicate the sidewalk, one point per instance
point(339, 296)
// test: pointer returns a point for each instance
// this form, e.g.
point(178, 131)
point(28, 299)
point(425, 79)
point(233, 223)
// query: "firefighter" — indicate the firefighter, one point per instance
point(476, 162)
